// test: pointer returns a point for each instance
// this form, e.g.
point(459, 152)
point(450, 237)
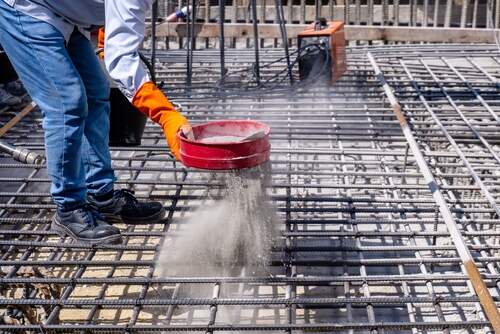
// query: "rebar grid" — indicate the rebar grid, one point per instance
point(363, 246)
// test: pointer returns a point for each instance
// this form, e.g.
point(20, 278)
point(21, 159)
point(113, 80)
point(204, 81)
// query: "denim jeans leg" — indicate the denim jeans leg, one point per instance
point(38, 53)
point(100, 176)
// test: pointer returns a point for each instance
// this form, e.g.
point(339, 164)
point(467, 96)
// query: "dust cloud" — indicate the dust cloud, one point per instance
point(225, 237)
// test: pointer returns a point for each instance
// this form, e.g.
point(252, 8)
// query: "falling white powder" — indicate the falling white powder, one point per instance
point(219, 240)
point(221, 139)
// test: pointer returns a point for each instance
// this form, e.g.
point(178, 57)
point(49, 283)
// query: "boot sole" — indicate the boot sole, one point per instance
point(153, 219)
point(63, 231)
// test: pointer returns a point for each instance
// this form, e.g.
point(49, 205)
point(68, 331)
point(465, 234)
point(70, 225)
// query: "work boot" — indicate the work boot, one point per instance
point(85, 225)
point(121, 206)
point(7, 99)
point(15, 88)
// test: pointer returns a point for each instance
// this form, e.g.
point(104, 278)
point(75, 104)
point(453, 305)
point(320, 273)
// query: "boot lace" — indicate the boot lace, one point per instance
point(91, 215)
point(127, 196)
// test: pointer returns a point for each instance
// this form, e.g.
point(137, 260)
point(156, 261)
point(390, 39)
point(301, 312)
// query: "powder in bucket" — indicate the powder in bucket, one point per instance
point(221, 139)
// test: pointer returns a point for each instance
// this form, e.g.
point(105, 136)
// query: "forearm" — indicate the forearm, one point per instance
point(125, 26)
point(124, 34)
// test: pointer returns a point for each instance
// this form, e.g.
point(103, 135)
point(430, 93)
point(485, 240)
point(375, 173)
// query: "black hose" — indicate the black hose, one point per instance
point(148, 65)
point(218, 91)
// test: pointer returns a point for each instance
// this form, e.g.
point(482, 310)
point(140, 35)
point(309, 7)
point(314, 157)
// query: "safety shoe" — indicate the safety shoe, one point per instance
point(123, 207)
point(85, 225)
point(7, 99)
point(15, 88)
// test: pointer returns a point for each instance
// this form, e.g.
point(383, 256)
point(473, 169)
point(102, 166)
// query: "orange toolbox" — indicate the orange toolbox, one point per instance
point(313, 61)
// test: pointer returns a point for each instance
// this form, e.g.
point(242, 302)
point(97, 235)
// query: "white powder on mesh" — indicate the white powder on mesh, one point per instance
point(220, 239)
point(221, 139)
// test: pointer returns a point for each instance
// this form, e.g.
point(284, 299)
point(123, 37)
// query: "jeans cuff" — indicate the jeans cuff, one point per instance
point(102, 195)
point(70, 207)
point(101, 192)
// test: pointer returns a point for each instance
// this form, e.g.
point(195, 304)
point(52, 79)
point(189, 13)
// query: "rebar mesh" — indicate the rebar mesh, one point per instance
point(363, 247)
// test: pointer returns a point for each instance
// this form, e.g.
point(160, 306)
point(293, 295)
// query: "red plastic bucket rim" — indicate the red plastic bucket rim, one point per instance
point(265, 127)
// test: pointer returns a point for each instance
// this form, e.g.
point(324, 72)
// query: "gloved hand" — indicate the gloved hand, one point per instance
point(154, 104)
point(179, 15)
point(100, 43)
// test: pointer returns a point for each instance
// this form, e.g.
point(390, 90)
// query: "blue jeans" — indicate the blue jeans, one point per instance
point(69, 86)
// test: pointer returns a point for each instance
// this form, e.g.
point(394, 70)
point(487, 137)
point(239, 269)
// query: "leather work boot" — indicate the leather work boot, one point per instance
point(85, 225)
point(15, 88)
point(7, 99)
point(121, 206)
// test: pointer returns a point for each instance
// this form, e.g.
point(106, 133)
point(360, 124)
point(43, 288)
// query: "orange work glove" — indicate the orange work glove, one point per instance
point(151, 102)
point(100, 43)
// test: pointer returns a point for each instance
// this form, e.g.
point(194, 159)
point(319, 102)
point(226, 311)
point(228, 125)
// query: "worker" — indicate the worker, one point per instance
point(47, 43)
point(179, 15)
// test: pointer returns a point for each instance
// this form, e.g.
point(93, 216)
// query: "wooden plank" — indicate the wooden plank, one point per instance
point(419, 34)
point(353, 33)
point(19, 116)
point(231, 30)
point(300, 14)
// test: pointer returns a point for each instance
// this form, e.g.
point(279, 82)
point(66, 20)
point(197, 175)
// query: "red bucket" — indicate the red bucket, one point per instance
point(219, 145)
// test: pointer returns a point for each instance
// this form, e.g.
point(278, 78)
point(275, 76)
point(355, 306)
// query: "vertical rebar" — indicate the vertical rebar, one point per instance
point(425, 16)
point(207, 19)
point(222, 17)
point(154, 19)
point(262, 19)
point(447, 13)
point(436, 13)
point(235, 18)
point(385, 12)
point(497, 14)
point(474, 13)
point(463, 15)
point(317, 12)
point(370, 5)
point(396, 12)
point(189, 54)
point(357, 20)
point(302, 12)
point(489, 14)
point(347, 11)
point(256, 41)
point(284, 38)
